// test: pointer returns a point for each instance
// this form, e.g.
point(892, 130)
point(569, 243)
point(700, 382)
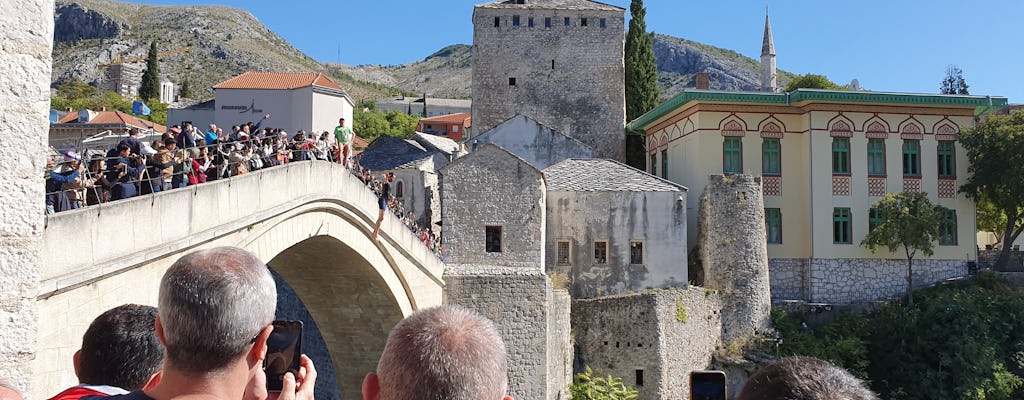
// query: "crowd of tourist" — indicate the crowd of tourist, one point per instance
point(185, 156)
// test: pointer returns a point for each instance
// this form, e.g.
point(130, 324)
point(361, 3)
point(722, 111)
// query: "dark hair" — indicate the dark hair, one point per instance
point(804, 378)
point(122, 146)
point(169, 141)
point(121, 348)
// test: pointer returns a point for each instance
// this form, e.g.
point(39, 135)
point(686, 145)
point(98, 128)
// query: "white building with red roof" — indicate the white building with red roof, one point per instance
point(80, 129)
point(295, 101)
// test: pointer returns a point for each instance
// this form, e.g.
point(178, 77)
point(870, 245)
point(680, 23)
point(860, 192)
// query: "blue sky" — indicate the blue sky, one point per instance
point(890, 45)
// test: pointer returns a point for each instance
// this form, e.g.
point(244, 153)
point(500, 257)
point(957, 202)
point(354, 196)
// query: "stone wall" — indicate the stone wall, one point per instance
point(26, 31)
point(662, 334)
point(560, 352)
point(570, 78)
point(845, 281)
point(788, 278)
point(733, 249)
point(521, 304)
point(492, 187)
point(539, 145)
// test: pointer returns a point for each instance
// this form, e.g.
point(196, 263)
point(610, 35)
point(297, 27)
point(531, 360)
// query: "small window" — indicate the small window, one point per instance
point(552, 64)
point(636, 252)
point(602, 23)
point(547, 22)
point(664, 164)
point(841, 233)
point(947, 158)
point(455, 128)
point(566, 21)
point(841, 156)
point(563, 252)
point(600, 252)
point(732, 155)
point(654, 164)
point(399, 189)
point(493, 239)
point(497, 22)
point(874, 218)
point(515, 20)
point(948, 229)
point(771, 157)
point(511, 81)
point(639, 377)
point(583, 22)
point(876, 157)
point(773, 225)
point(529, 22)
point(911, 157)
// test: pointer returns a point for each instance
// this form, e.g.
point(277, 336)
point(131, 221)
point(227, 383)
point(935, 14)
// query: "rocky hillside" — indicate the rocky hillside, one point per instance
point(208, 44)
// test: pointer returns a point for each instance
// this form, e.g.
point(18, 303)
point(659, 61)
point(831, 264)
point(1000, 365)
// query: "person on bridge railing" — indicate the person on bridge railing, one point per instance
point(344, 135)
point(216, 307)
point(445, 352)
point(120, 353)
point(125, 169)
point(99, 188)
point(382, 201)
point(64, 183)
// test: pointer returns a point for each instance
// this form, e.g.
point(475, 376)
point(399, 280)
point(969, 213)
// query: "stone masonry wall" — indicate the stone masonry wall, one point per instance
point(666, 334)
point(519, 301)
point(788, 278)
point(845, 281)
point(26, 34)
point(734, 251)
point(559, 345)
point(490, 186)
point(570, 78)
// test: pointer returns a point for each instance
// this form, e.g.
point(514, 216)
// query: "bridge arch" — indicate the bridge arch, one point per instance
point(309, 221)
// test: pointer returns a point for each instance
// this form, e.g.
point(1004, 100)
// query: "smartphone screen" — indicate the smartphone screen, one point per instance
point(707, 385)
point(284, 348)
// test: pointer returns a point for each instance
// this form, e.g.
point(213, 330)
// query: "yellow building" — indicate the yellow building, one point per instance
point(824, 158)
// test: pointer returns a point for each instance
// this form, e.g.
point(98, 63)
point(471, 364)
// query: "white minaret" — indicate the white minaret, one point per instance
point(769, 76)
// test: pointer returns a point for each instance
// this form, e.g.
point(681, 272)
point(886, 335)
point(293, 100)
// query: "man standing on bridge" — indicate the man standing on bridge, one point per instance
point(344, 135)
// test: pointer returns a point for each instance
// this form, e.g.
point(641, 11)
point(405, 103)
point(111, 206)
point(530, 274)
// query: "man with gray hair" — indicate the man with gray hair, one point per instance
point(444, 352)
point(214, 317)
point(804, 378)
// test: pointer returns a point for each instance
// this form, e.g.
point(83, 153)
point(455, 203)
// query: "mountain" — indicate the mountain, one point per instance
point(208, 44)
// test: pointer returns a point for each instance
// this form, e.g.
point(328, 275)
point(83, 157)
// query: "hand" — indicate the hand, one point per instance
point(301, 390)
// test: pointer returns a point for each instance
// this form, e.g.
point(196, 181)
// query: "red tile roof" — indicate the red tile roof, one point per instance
point(457, 118)
point(114, 118)
point(277, 80)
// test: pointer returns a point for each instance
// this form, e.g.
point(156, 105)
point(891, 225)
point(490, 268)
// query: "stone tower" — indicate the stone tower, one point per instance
point(769, 75)
point(560, 62)
point(734, 251)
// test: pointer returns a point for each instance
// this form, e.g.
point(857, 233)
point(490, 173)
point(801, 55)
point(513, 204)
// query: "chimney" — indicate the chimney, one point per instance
point(703, 81)
point(103, 109)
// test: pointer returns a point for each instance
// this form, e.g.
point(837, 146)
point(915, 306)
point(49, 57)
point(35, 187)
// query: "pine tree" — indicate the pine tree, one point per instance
point(149, 88)
point(642, 90)
point(185, 91)
point(954, 82)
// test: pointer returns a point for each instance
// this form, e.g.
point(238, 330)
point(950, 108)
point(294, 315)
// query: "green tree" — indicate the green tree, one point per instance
point(991, 219)
point(811, 81)
point(590, 385)
point(909, 221)
point(150, 87)
point(995, 154)
point(75, 89)
point(185, 91)
point(954, 82)
point(424, 104)
point(401, 125)
point(641, 79)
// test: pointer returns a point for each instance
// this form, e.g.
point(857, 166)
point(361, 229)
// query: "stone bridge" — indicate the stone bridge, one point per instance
point(311, 223)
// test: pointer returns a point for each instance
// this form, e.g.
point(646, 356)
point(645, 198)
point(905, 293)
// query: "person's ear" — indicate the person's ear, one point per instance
point(371, 387)
point(153, 381)
point(160, 332)
point(76, 360)
point(259, 347)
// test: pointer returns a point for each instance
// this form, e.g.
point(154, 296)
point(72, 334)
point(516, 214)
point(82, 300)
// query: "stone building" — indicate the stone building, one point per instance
point(415, 162)
point(614, 229)
point(82, 129)
point(530, 140)
point(435, 106)
point(451, 126)
point(825, 157)
point(494, 215)
point(557, 61)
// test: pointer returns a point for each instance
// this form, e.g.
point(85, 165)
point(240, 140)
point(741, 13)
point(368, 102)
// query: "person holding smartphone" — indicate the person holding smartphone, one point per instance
point(215, 309)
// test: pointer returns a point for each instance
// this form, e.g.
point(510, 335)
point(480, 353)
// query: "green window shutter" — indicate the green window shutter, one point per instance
point(876, 157)
point(947, 158)
point(841, 155)
point(912, 157)
point(771, 157)
point(841, 233)
point(732, 155)
point(773, 225)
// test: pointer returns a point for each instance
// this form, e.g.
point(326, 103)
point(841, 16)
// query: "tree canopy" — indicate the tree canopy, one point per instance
point(954, 82)
point(811, 81)
point(908, 221)
point(642, 91)
point(150, 87)
point(995, 152)
point(373, 123)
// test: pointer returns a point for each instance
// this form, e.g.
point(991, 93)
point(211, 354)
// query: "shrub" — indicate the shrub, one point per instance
point(590, 385)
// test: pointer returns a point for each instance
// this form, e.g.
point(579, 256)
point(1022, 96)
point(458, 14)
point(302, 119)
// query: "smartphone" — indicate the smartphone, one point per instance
point(707, 385)
point(284, 349)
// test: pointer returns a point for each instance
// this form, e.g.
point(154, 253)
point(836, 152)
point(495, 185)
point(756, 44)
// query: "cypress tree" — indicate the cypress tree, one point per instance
point(149, 88)
point(642, 90)
point(185, 91)
point(424, 104)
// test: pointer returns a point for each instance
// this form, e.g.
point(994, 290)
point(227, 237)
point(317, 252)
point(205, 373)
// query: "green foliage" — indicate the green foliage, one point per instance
point(811, 81)
point(990, 218)
point(954, 82)
point(157, 113)
point(424, 105)
point(960, 341)
point(367, 105)
point(371, 124)
point(149, 88)
point(995, 155)
point(909, 221)
point(681, 315)
point(185, 91)
point(642, 90)
point(109, 100)
point(590, 385)
point(75, 89)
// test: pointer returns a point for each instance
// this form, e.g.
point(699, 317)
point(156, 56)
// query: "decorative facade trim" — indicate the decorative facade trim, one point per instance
point(840, 185)
point(876, 186)
point(947, 137)
point(771, 130)
point(772, 185)
point(876, 130)
point(840, 129)
point(946, 188)
point(911, 185)
point(733, 128)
